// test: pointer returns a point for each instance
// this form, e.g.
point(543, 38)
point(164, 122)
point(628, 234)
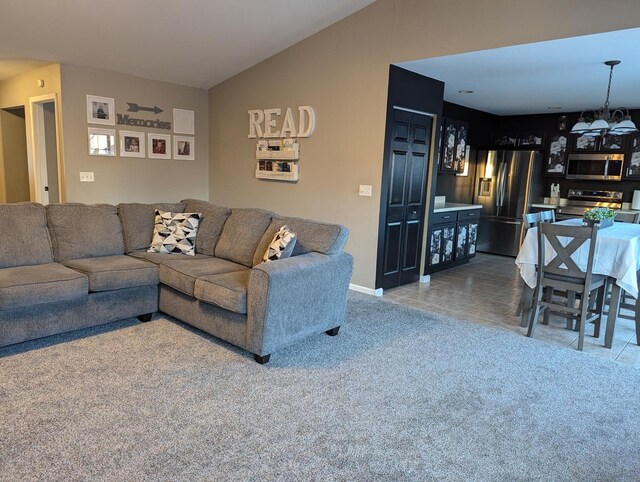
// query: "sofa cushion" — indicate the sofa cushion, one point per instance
point(138, 220)
point(311, 236)
point(241, 234)
point(84, 230)
point(228, 290)
point(45, 283)
point(212, 219)
point(175, 233)
point(181, 274)
point(107, 273)
point(24, 237)
point(158, 258)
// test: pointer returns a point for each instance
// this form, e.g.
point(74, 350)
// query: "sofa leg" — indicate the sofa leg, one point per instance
point(146, 317)
point(333, 331)
point(262, 359)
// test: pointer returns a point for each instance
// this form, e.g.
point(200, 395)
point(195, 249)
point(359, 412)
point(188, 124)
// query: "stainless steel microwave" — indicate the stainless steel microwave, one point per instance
point(600, 167)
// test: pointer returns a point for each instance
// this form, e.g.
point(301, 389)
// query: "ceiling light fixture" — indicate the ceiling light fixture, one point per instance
point(466, 92)
point(616, 122)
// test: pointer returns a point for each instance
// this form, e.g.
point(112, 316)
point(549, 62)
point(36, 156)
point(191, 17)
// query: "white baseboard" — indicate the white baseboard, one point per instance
point(425, 278)
point(367, 291)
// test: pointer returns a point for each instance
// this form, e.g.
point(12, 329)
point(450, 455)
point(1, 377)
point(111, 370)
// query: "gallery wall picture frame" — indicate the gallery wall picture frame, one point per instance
point(184, 121)
point(184, 148)
point(556, 165)
point(158, 146)
point(633, 166)
point(101, 110)
point(132, 144)
point(505, 139)
point(101, 142)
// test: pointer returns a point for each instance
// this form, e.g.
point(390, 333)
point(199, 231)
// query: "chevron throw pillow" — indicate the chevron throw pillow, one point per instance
point(175, 233)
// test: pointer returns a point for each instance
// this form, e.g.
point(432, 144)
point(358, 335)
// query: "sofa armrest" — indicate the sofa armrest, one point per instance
point(291, 298)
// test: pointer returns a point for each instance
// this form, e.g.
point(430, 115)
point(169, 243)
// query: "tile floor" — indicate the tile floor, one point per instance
point(486, 291)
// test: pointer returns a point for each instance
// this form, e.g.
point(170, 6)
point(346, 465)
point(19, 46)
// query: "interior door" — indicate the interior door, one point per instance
point(404, 219)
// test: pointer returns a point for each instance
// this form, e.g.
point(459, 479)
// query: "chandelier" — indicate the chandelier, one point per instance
point(617, 122)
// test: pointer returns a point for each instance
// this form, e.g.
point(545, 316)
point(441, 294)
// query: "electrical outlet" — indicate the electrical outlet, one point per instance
point(86, 177)
point(365, 190)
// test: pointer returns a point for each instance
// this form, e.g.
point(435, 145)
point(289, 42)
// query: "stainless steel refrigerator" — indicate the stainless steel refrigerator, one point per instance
point(507, 183)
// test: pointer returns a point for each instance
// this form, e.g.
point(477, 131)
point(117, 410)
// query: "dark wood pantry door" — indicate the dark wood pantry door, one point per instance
point(406, 171)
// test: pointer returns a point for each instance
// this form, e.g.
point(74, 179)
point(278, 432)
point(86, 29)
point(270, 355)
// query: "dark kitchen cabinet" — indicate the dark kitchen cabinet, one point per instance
point(452, 239)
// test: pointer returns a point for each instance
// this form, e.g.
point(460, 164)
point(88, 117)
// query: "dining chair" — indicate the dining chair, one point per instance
point(562, 273)
point(531, 220)
point(627, 217)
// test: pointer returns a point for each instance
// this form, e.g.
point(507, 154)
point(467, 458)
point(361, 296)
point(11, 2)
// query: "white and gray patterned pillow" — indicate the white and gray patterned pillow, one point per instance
point(281, 245)
point(175, 233)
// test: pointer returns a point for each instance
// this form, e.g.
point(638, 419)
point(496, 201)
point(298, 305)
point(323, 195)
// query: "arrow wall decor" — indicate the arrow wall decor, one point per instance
point(133, 107)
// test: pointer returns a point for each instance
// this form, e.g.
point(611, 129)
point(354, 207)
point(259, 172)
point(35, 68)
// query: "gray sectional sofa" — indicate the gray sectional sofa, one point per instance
point(69, 266)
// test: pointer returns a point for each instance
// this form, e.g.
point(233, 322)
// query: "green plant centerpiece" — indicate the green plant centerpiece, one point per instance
point(602, 216)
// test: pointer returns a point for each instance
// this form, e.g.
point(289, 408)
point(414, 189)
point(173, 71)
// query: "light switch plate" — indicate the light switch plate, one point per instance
point(86, 177)
point(365, 190)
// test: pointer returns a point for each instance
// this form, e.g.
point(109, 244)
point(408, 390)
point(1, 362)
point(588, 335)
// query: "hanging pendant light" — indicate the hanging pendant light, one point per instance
point(604, 121)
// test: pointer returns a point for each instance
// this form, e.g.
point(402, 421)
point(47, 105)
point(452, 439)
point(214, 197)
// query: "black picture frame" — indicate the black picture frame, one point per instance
point(461, 147)
point(556, 165)
point(585, 143)
point(531, 140)
point(449, 135)
point(633, 165)
point(454, 143)
point(505, 139)
point(612, 143)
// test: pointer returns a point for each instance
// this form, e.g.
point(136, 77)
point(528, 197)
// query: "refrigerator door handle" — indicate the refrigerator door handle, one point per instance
point(502, 183)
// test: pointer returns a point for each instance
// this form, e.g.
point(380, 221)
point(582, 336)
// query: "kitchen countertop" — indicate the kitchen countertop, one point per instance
point(555, 206)
point(443, 208)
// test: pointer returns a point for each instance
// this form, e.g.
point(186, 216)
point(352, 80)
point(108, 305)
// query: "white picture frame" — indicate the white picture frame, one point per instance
point(101, 110)
point(158, 146)
point(101, 142)
point(184, 121)
point(132, 144)
point(184, 148)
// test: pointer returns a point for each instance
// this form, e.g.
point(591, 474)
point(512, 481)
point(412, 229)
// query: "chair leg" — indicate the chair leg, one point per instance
point(527, 304)
point(548, 297)
point(584, 310)
point(571, 301)
point(535, 310)
point(521, 302)
point(637, 310)
point(599, 309)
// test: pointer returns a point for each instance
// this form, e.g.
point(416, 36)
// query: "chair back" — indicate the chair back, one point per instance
point(627, 218)
point(562, 265)
point(548, 216)
point(531, 220)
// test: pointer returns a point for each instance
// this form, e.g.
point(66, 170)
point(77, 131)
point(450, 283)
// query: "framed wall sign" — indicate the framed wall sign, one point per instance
point(557, 156)
point(101, 110)
point(102, 142)
point(505, 140)
point(184, 121)
point(531, 140)
point(158, 146)
point(184, 148)
point(132, 144)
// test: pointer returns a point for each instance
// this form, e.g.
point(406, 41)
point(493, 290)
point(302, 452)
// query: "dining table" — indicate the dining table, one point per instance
point(617, 256)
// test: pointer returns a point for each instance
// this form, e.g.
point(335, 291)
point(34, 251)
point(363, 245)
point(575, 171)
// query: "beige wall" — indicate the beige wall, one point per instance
point(343, 72)
point(119, 179)
point(14, 154)
point(16, 91)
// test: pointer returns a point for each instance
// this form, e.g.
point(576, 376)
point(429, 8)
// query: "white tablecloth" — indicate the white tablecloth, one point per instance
point(617, 254)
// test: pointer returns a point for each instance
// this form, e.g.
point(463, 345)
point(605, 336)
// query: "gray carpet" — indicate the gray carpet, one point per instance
point(399, 394)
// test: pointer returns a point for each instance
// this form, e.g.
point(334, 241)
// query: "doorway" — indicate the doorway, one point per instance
point(14, 161)
point(406, 169)
point(47, 175)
